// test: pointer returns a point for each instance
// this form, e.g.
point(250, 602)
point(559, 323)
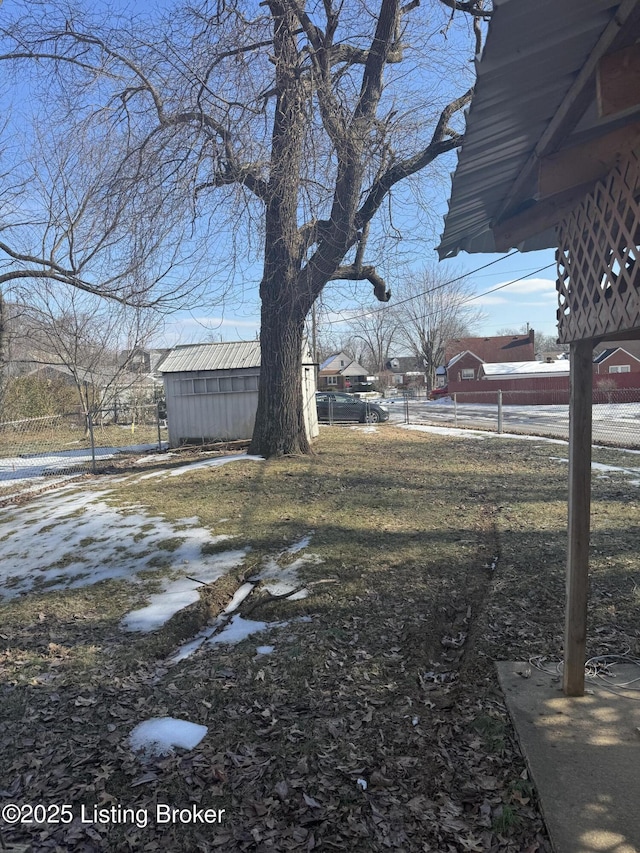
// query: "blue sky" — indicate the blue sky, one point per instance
point(530, 300)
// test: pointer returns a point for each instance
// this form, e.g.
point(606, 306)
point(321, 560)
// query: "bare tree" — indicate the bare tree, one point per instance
point(92, 341)
point(296, 121)
point(3, 349)
point(376, 331)
point(63, 221)
point(543, 343)
point(433, 311)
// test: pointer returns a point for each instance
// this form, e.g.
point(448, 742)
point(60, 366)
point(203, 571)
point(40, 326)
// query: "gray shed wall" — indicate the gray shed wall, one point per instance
point(209, 415)
point(219, 414)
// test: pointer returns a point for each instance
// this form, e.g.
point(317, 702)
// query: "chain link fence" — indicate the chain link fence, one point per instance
point(616, 413)
point(74, 443)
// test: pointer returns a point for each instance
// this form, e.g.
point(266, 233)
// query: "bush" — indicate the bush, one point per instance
point(34, 397)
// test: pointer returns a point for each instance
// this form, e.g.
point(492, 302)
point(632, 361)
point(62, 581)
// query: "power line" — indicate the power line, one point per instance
point(431, 290)
point(492, 290)
point(445, 284)
point(509, 283)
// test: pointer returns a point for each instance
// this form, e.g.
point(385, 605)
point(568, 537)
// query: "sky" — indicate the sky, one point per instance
point(530, 302)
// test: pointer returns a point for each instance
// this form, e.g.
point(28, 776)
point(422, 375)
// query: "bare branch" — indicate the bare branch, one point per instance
point(469, 7)
point(443, 140)
point(364, 273)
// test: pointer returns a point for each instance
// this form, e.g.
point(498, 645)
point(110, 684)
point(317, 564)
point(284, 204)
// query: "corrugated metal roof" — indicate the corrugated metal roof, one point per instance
point(533, 53)
point(228, 355)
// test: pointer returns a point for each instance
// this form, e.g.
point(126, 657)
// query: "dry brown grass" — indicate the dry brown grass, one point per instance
point(391, 681)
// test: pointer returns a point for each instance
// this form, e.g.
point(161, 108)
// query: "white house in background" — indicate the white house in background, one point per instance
point(211, 391)
point(339, 373)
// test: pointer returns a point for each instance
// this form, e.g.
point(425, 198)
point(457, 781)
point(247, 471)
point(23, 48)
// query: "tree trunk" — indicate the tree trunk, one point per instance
point(279, 427)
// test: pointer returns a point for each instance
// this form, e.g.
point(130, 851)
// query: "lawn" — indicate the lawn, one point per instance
point(393, 568)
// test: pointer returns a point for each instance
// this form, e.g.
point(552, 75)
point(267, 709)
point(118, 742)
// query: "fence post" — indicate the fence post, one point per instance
point(93, 443)
point(499, 412)
point(406, 408)
point(455, 410)
point(158, 424)
point(330, 412)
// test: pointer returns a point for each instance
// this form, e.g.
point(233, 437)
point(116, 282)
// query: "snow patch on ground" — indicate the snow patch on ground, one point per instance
point(602, 469)
point(36, 466)
point(67, 539)
point(214, 463)
point(238, 597)
point(179, 593)
point(239, 629)
point(282, 581)
point(154, 457)
point(470, 433)
point(279, 581)
point(160, 735)
point(464, 433)
point(71, 539)
point(300, 545)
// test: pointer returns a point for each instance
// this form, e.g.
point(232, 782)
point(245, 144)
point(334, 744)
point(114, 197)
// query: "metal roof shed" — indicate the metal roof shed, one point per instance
point(550, 158)
point(212, 391)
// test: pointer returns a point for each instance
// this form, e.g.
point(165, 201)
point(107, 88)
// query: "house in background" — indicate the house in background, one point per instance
point(615, 360)
point(494, 349)
point(405, 371)
point(211, 391)
point(463, 367)
point(441, 377)
point(464, 356)
point(141, 360)
point(340, 373)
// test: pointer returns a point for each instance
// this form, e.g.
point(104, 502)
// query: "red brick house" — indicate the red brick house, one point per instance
point(464, 367)
point(498, 348)
point(615, 360)
point(464, 356)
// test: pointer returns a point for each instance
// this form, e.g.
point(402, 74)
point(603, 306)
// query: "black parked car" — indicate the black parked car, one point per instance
point(334, 406)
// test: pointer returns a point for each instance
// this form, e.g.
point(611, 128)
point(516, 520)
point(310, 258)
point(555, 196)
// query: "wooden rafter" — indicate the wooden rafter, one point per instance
point(588, 162)
point(618, 81)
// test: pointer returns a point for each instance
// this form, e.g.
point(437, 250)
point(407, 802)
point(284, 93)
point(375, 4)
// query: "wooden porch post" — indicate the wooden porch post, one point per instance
point(580, 435)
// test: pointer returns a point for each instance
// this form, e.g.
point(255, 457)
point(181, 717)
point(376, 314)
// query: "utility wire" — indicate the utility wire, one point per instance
point(445, 284)
point(484, 293)
point(432, 289)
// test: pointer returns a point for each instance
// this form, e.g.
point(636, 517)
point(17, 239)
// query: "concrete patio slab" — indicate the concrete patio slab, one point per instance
point(583, 755)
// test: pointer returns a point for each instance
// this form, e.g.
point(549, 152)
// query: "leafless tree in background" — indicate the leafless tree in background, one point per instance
point(63, 221)
point(90, 340)
point(432, 312)
point(286, 127)
point(376, 331)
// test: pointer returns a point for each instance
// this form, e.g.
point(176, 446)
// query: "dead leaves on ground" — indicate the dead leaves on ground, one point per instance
point(345, 738)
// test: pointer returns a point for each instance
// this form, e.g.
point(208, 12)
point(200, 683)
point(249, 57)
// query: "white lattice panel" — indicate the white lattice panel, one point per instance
point(597, 257)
